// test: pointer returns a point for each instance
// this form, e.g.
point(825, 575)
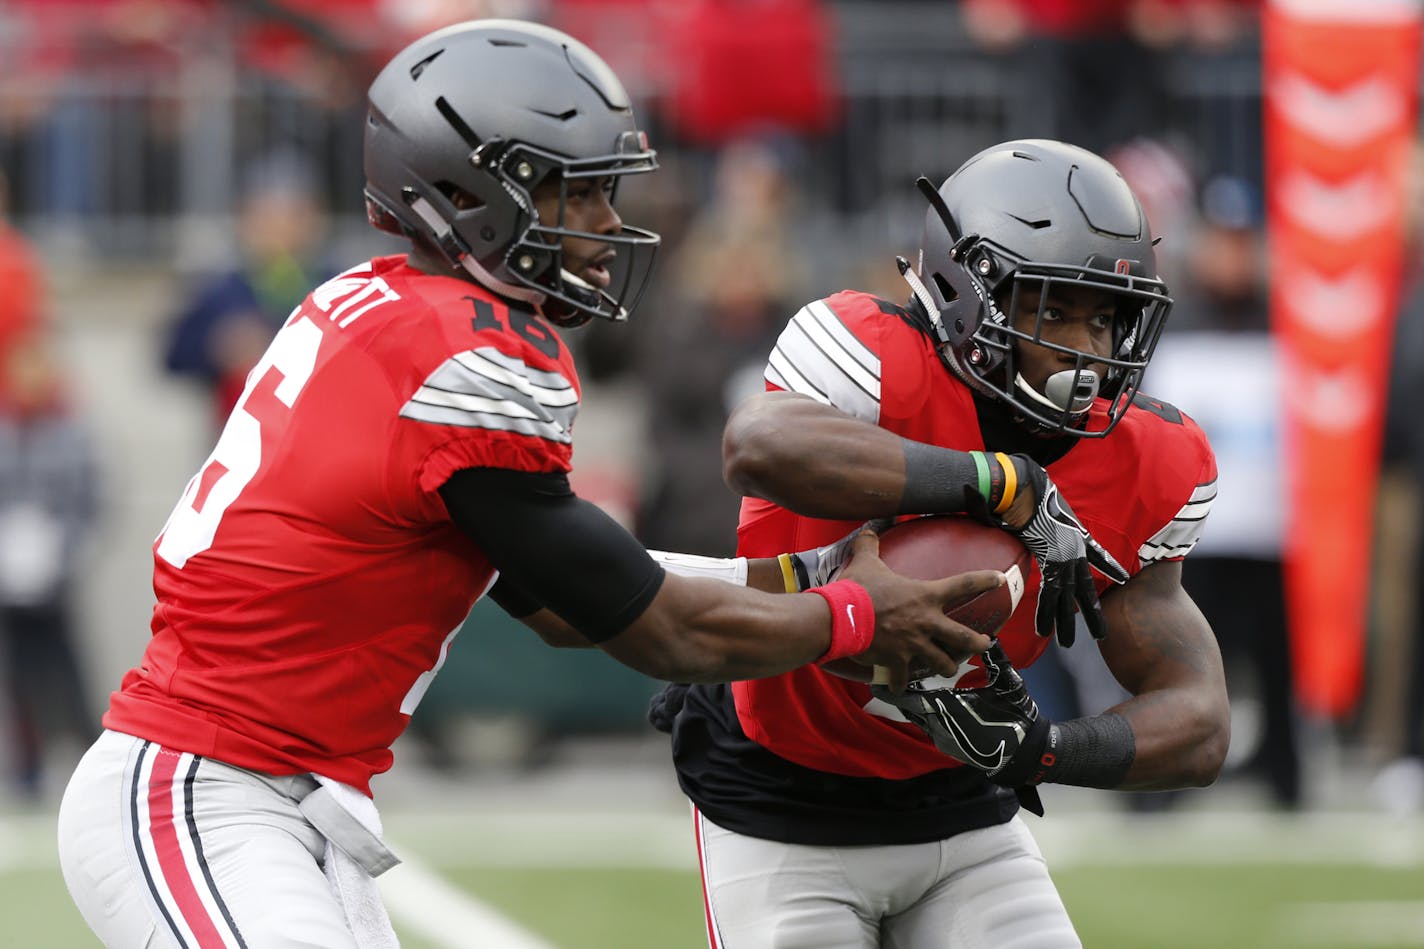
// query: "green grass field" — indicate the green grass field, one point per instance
point(1264, 882)
point(1163, 908)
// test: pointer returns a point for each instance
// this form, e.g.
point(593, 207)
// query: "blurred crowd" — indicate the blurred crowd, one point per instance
point(224, 139)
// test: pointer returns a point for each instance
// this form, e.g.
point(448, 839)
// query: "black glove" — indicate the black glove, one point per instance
point(1064, 550)
point(818, 567)
point(992, 728)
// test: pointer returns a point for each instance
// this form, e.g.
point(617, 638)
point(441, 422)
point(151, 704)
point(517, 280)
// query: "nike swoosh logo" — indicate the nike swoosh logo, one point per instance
point(850, 614)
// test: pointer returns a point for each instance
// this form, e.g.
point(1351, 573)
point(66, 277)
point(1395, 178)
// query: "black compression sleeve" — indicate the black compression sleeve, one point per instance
point(1094, 752)
point(935, 478)
point(511, 599)
point(554, 547)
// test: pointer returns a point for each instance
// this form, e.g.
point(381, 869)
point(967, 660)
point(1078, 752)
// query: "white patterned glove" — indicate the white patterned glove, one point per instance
point(1064, 550)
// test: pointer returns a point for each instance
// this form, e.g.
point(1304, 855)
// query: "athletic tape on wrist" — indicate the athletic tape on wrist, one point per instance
point(726, 569)
point(935, 478)
point(1093, 752)
point(852, 618)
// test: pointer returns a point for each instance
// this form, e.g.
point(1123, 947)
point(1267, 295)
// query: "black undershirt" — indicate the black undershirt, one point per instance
point(741, 786)
point(553, 549)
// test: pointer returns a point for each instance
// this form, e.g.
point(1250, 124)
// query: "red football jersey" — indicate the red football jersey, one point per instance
point(310, 579)
point(1142, 492)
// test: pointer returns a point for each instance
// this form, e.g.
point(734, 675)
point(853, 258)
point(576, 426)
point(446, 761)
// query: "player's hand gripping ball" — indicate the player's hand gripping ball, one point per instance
point(942, 545)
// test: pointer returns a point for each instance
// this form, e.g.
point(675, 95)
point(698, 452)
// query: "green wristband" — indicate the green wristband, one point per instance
point(986, 483)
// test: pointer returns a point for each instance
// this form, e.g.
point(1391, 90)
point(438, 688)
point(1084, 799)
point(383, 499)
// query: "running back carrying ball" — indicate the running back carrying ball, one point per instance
point(942, 545)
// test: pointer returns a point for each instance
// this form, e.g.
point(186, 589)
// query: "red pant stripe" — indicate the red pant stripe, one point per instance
point(172, 863)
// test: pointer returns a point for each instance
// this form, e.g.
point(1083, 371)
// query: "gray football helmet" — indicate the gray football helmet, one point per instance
point(1019, 217)
point(464, 123)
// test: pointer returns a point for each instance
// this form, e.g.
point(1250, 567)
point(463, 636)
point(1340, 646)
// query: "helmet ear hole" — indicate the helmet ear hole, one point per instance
point(381, 217)
point(947, 292)
point(462, 199)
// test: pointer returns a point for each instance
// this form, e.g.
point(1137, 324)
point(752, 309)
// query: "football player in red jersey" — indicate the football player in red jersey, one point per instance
point(827, 811)
point(401, 449)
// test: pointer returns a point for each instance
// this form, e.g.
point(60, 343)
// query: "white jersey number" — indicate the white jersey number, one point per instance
point(272, 387)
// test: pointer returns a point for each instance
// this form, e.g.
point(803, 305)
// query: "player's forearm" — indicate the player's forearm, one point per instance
point(554, 631)
point(817, 461)
point(695, 632)
point(812, 459)
point(1163, 651)
point(765, 574)
point(1180, 736)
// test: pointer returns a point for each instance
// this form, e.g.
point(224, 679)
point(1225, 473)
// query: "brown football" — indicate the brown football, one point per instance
point(942, 545)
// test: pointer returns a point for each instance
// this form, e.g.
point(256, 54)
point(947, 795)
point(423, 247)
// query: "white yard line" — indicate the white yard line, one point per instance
point(422, 902)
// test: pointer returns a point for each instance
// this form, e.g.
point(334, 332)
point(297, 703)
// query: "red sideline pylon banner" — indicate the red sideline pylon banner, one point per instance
point(1341, 83)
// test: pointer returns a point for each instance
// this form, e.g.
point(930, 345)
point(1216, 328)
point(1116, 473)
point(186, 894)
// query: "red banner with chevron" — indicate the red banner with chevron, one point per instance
point(1341, 99)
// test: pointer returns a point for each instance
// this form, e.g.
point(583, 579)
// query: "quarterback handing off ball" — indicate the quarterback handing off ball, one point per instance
point(942, 545)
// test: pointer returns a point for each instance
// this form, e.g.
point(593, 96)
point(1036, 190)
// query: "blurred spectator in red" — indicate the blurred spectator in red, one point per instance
point(327, 49)
point(228, 318)
point(20, 275)
point(47, 510)
point(745, 67)
point(725, 69)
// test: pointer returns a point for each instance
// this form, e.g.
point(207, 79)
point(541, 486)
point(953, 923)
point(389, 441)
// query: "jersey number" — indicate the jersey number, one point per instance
point(524, 324)
point(1158, 408)
point(272, 389)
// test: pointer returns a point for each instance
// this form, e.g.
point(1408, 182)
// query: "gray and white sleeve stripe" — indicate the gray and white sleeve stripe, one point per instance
point(1181, 534)
point(484, 388)
point(816, 355)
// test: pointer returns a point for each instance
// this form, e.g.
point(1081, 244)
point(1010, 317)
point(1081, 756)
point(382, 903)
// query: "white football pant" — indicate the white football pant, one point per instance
point(163, 848)
point(983, 889)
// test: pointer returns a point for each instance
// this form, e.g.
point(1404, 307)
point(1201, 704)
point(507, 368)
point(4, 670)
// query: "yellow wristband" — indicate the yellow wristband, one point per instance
point(1011, 481)
point(788, 573)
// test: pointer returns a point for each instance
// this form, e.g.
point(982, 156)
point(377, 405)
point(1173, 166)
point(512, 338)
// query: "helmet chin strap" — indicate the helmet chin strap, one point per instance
point(490, 281)
point(922, 293)
point(1070, 390)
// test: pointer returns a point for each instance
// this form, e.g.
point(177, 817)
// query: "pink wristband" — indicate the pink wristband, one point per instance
point(852, 618)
